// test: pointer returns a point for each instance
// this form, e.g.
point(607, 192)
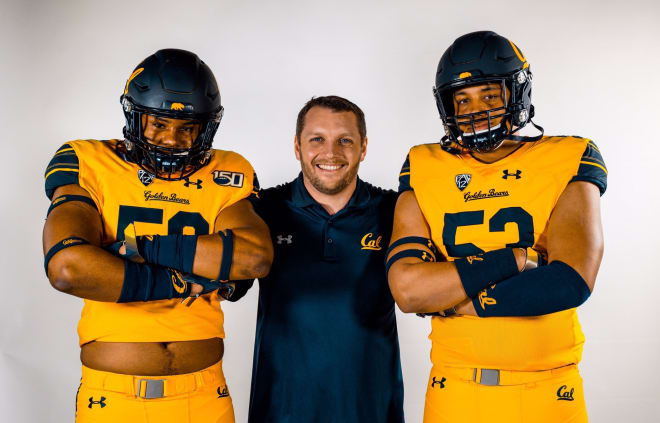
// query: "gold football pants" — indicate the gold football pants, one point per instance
point(471, 395)
point(193, 397)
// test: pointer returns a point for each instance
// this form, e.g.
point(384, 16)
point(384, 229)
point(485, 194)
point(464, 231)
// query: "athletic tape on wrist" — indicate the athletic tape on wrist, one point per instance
point(65, 243)
point(533, 259)
point(69, 197)
point(482, 270)
point(227, 254)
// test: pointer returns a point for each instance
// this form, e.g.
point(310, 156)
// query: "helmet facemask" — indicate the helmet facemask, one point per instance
point(502, 122)
point(166, 162)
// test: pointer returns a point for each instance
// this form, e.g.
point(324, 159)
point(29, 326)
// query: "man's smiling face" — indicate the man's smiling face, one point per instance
point(330, 149)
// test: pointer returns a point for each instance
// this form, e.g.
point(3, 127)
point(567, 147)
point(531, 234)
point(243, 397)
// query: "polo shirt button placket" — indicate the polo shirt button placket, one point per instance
point(329, 248)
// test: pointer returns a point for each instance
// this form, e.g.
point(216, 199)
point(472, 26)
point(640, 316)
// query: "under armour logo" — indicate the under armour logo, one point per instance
point(92, 402)
point(563, 394)
point(439, 382)
point(189, 182)
point(288, 239)
point(223, 391)
point(507, 174)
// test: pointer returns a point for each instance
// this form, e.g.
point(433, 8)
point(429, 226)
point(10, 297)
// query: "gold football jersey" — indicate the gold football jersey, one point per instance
point(125, 194)
point(473, 207)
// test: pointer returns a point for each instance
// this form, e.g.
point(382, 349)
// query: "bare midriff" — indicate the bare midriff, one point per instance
point(152, 358)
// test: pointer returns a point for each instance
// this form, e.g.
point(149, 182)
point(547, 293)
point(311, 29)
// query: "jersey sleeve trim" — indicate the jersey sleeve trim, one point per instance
point(63, 169)
point(404, 176)
point(254, 194)
point(595, 164)
point(592, 168)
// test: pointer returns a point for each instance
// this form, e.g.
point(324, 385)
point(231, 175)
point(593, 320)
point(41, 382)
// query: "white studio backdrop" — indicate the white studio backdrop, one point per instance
point(595, 63)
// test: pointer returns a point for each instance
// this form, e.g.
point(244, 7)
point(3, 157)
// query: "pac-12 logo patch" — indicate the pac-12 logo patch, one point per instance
point(462, 180)
point(225, 178)
point(145, 177)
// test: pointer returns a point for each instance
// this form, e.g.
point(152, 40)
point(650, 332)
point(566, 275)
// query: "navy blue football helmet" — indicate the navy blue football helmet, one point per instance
point(174, 84)
point(479, 58)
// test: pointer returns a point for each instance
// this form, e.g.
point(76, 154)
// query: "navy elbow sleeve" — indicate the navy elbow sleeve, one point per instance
point(174, 251)
point(540, 291)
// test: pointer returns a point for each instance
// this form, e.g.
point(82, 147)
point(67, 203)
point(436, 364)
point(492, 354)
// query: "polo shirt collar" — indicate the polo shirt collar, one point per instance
point(301, 198)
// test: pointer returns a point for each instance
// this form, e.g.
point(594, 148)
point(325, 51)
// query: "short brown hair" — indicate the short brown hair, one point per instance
point(336, 104)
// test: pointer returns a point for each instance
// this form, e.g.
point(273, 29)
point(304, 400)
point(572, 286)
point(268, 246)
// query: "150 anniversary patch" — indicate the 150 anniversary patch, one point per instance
point(226, 178)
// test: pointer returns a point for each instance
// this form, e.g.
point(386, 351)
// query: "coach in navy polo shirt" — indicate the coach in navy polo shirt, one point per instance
point(326, 347)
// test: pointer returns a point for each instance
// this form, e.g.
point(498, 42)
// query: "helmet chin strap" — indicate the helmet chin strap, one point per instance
point(524, 138)
point(450, 146)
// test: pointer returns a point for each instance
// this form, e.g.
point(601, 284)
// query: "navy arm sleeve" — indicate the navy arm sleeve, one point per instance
point(592, 168)
point(404, 176)
point(544, 290)
point(62, 170)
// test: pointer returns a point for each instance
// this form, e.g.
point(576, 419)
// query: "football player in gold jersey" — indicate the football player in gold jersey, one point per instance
point(498, 236)
point(142, 227)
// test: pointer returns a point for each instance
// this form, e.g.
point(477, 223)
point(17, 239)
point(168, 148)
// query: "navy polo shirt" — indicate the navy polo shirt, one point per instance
point(326, 347)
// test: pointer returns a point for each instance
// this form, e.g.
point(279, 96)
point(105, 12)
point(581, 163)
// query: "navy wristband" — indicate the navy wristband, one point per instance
point(482, 270)
point(147, 282)
point(227, 254)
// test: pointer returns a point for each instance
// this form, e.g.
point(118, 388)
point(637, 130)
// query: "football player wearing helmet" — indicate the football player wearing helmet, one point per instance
point(149, 230)
point(498, 236)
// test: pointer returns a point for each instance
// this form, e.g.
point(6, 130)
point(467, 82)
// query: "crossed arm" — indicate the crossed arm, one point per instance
point(574, 237)
point(89, 271)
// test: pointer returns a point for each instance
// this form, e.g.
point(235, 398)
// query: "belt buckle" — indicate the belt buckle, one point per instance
point(155, 388)
point(489, 377)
